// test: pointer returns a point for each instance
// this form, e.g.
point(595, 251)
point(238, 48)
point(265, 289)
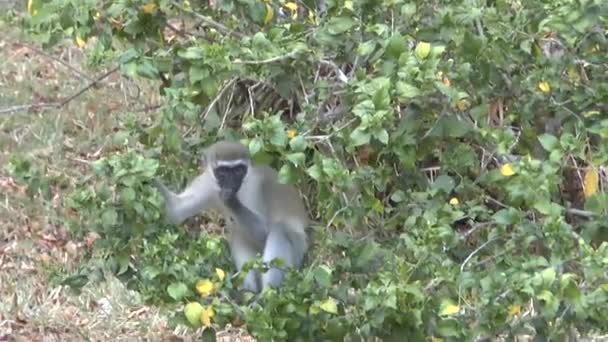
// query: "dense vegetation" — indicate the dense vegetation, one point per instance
point(451, 153)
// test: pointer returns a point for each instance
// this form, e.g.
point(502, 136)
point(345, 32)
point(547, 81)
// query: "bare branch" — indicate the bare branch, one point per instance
point(339, 73)
point(89, 86)
point(58, 60)
point(269, 60)
point(63, 102)
point(209, 21)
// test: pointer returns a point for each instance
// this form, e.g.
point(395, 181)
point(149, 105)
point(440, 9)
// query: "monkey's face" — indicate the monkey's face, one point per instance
point(229, 178)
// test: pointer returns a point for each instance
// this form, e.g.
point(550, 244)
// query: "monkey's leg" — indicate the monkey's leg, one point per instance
point(279, 245)
point(243, 251)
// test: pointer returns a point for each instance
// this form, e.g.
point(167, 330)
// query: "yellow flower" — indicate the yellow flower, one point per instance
point(544, 87)
point(454, 201)
point(507, 170)
point(206, 316)
point(291, 133)
point(149, 8)
point(205, 287)
point(220, 274)
point(514, 310)
point(463, 104)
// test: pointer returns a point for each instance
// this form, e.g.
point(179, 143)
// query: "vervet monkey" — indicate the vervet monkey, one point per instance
point(267, 217)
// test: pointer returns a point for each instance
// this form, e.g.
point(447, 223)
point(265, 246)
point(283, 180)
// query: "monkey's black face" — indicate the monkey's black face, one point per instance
point(230, 179)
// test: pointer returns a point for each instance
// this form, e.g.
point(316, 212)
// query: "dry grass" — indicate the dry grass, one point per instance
point(34, 243)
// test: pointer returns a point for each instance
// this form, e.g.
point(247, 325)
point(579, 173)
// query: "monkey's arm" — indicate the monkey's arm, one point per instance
point(198, 196)
point(246, 218)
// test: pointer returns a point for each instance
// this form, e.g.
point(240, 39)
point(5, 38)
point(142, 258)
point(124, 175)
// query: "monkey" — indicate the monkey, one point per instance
point(264, 216)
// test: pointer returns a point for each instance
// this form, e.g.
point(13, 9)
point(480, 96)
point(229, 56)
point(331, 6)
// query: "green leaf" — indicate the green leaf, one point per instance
point(506, 216)
point(109, 218)
point(340, 25)
point(406, 90)
point(366, 48)
point(423, 49)
point(408, 10)
point(297, 158)
point(548, 141)
point(298, 144)
point(330, 305)
point(177, 291)
point(285, 175)
point(255, 145)
point(322, 276)
point(360, 137)
point(315, 172)
point(146, 69)
point(193, 52)
point(444, 183)
point(382, 136)
point(396, 46)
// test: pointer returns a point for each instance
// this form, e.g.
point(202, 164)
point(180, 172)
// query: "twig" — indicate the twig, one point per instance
point(339, 73)
point(582, 213)
point(483, 245)
point(62, 102)
point(217, 98)
point(209, 21)
point(269, 60)
point(58, 60)
point(89, 86)
point(20, 108)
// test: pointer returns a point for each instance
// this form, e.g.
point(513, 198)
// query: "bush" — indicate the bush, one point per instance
point(441, 145)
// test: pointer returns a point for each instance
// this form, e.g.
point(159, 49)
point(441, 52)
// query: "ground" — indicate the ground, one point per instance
point(35, 247)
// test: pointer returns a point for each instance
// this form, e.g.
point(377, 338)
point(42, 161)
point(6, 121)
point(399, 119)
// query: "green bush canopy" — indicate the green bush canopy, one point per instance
point(451, 154)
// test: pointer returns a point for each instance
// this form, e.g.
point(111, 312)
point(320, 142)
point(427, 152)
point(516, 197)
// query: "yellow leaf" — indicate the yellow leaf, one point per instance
point(454, 201)
point(80, 42)
point(291, 133)
point(204, 287)
point(544, 87)
point(463, 104)
point(97, 16)
point(30, 4)
point(507, 170)
point(514, 310)
point(220, 274)
point(269, 14)
point(423, 49)
point(149, 8)
point(330, 305)
point(591, 182)
point(206, 316)
point(450, 310)
point(292, 6)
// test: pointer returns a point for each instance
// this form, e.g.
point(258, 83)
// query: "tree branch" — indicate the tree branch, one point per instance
point(209, 21)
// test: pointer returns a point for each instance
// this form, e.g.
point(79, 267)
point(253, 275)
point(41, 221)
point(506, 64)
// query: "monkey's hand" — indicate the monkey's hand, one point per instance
point(228, 196)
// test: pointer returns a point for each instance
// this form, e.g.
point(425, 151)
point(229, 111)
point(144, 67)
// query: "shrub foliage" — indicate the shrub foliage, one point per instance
point(450, 152)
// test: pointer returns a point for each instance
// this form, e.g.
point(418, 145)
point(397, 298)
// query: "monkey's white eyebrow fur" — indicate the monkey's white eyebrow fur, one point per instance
point(231, 162)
